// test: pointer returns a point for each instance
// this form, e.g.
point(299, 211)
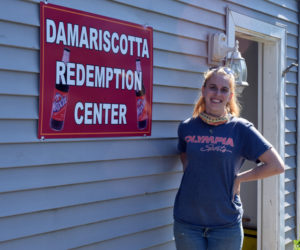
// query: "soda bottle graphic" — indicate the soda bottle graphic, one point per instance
point(60, 100)
point(141, 102)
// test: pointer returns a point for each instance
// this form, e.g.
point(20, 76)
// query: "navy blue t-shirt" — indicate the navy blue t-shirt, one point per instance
point(215, 155)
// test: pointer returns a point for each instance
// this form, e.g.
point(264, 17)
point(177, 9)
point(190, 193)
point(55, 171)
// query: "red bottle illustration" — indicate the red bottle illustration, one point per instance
point(141, 102)
point(60, 100)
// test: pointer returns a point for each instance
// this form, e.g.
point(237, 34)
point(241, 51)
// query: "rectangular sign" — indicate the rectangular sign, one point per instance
point(95, 75)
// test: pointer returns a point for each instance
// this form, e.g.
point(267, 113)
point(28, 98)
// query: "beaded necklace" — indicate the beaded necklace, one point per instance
point(212, 120)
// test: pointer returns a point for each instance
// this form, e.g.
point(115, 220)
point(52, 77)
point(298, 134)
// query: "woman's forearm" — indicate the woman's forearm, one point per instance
point(272, 164)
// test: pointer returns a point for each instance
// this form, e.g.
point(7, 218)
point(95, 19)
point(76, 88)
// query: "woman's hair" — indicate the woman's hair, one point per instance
point(233, 107)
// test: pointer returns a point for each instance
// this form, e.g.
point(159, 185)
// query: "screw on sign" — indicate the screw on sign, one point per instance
point(60, 99)
point(141, 102)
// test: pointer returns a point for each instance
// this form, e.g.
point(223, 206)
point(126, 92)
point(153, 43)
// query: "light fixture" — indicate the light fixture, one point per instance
point(217, 54)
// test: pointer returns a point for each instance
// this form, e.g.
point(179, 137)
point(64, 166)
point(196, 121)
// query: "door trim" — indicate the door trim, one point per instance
point(270, 223)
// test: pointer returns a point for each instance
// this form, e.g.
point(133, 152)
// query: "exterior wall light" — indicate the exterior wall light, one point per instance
point(218, 52)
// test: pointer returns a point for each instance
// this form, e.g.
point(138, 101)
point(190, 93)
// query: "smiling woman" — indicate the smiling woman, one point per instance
point(213, 146)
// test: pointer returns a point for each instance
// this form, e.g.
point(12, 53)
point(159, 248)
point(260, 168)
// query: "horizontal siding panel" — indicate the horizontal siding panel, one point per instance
point(181, 45)
point(64, 196)
point(290, 162)
point(162, 129)
point(211, 6)
point(13, 155)
point(159, 22)
point(291, 28)
point(290, 126)
point(67, 174)
point(24, 36)
point(28, 60)
point(291, 77)
point(291, 89)
point(14, 10)
point(290, 175)
point(290, 4)
point(19, 83)
point(292, 40)
point(292, 53)
point(164, 112)
point(59, 219)
point(141, 240)
point(13, 131)
point(290, 187)
point(182, 11)
point(290, 212)
point(290, 150)
point(10, 107)
point(18, 35)
point(289, 200)
point(17, 59)
point(179, 62)
point(269, 9)
point(88, 234)
point(162, 94)
point(25, 131)
point(291, 102)
point(289, 244)
point(290, 138)
point(289, 224)
point(176, 78)
point(290, 114)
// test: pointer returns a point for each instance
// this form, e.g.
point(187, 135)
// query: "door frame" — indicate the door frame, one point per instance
point(271, 116)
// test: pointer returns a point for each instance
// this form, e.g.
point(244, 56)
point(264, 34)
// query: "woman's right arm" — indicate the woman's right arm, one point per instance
point(183, 160)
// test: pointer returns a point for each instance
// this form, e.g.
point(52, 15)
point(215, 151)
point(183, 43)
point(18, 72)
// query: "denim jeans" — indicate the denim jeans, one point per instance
point(191, 237)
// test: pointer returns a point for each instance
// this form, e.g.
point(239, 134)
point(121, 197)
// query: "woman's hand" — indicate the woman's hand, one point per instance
point(236, 187)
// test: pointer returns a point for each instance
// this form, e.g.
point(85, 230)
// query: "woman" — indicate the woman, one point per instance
point(213, 145)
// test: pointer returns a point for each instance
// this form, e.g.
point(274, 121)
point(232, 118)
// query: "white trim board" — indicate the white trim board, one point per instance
point(298, 156)
point(271, 233)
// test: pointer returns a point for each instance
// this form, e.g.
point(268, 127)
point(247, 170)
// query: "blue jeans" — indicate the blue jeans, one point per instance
point(191, 237)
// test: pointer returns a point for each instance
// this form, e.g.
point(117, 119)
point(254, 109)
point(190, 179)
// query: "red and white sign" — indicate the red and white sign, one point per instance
point(95, 75)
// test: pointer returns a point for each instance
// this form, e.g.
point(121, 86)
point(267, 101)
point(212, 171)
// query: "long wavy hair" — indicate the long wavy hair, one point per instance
point(233, 106)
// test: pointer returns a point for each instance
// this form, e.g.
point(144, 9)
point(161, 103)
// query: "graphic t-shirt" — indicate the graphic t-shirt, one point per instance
point(215, 155)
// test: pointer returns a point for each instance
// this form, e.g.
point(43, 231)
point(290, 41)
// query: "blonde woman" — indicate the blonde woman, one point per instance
point(213, 145)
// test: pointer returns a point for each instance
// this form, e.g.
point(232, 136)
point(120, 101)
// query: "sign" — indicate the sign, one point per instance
point(95, 75)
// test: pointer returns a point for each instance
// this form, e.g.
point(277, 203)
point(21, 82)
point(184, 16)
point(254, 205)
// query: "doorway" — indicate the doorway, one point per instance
point(271, 41)
point(249, 100)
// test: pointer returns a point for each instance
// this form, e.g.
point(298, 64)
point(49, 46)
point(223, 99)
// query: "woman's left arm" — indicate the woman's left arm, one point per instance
point(272, 164)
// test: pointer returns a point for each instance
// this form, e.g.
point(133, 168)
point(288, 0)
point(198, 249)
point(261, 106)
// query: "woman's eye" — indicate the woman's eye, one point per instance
point(214, 88)
point(225, 91)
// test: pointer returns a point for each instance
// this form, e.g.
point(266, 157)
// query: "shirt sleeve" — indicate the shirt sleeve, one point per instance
point(181, 146)
point(254, 143)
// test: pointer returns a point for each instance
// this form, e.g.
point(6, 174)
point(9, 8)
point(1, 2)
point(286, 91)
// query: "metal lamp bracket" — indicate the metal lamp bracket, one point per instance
point(217, 48)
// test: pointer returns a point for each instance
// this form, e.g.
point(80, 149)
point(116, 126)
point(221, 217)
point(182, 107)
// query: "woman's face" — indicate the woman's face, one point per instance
point(216, 94)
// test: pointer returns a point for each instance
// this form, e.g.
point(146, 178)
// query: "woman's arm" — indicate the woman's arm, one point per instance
point(183, 160)
point(272, 165)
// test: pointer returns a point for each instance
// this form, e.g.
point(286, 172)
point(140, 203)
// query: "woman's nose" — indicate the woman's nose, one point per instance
point(218, 92)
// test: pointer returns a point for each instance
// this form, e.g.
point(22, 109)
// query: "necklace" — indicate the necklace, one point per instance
point(212, 120)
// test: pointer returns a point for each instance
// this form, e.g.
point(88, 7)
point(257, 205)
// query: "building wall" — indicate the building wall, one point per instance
point(106, 193)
